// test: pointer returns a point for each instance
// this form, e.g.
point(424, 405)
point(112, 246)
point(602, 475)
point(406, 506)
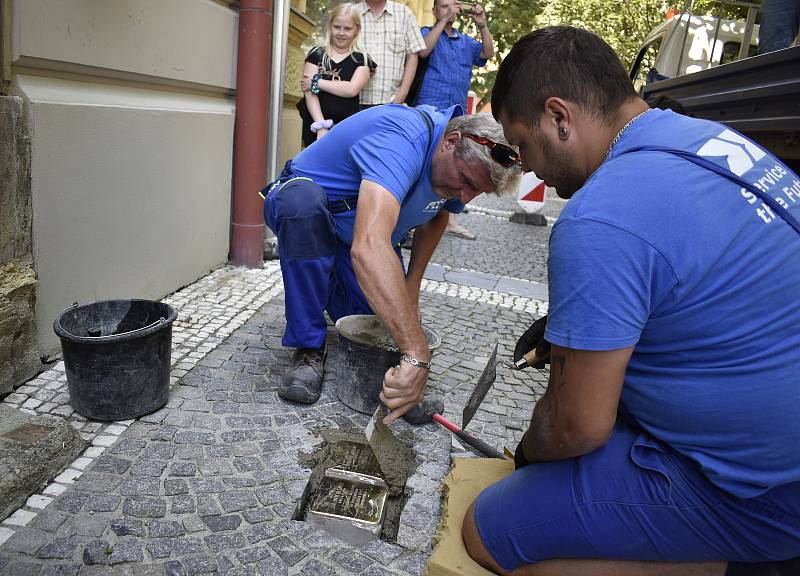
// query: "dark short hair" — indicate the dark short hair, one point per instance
point(561, 61)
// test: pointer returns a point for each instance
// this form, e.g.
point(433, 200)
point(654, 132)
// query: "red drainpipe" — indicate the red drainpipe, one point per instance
point(250, 132)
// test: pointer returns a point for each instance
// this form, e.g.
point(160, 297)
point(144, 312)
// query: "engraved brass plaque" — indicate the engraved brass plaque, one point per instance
point(356, 457)
point(28, 433)
point(350, 496)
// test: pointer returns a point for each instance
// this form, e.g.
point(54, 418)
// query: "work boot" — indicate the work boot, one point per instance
point(424, 411)
point(302, 381)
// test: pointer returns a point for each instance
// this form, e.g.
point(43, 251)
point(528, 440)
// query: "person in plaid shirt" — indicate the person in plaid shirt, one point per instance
point(391, 37)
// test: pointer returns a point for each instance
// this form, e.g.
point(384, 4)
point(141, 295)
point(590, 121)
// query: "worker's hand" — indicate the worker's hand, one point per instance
point(399, 98)
point(534, 338)
point(479, 16)
point(403, 388)
point(519, 458)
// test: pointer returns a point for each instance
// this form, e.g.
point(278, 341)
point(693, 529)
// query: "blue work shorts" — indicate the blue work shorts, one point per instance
point(632, 499)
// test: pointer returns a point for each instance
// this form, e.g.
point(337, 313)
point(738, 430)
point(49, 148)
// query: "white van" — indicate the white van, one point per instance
point(685, 43)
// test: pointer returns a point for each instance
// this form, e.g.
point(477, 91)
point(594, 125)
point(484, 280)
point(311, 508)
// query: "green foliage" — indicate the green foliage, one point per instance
point(622, 23)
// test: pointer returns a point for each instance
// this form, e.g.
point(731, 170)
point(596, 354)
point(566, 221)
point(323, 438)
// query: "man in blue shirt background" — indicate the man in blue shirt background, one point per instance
point(451, 56)
point(339, 210)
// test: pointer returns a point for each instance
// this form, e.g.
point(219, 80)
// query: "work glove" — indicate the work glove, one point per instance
point(534, 338)
point(519, 458)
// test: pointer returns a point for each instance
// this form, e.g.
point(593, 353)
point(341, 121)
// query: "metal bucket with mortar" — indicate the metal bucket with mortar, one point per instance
point(366, 352)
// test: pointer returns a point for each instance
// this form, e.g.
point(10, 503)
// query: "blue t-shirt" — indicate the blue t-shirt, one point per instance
point(389, 145)
point(446, 81)
point(704, 281)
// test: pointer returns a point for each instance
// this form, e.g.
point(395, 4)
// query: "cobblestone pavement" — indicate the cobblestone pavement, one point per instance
point(210, 483)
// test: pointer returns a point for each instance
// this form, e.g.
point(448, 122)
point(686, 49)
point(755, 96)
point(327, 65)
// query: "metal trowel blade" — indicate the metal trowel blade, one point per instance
point(386, 448)
point(485, 382)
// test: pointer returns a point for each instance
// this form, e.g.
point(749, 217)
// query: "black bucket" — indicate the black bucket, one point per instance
point(366, 352)
point(117, 357)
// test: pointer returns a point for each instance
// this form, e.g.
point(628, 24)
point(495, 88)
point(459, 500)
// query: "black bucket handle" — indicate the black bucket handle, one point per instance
point(60, 329)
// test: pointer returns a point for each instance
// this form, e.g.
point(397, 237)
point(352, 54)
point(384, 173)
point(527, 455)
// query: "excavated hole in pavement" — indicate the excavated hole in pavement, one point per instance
point(341, 496)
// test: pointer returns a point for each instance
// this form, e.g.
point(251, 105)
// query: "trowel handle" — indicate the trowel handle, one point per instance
point(476, 443)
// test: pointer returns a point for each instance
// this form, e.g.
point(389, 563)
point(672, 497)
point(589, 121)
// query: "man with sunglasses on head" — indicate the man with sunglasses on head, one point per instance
point(667, 439)
point(339, 209)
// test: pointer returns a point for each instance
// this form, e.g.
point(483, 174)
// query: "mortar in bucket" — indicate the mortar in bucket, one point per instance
point(366, 352)
point(117, 357)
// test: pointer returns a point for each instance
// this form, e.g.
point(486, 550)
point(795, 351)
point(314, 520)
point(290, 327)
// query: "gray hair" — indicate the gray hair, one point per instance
point(505, 180)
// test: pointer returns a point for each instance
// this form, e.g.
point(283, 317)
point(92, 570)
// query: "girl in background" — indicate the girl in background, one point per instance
point(333, 74)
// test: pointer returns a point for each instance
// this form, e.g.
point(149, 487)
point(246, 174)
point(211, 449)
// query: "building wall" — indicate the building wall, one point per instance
point(131, 115)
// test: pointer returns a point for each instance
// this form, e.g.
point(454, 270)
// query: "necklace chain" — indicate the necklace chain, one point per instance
point(622, 131)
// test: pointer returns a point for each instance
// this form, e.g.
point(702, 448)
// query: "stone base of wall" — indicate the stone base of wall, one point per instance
point(19, 357)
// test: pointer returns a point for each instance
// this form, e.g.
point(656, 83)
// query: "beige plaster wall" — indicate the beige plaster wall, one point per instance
point(131, 114)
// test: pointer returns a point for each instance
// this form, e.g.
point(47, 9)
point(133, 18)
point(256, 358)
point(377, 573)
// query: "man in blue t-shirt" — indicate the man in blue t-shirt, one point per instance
point(666, 441)
point(450, 57)
point(341, 206)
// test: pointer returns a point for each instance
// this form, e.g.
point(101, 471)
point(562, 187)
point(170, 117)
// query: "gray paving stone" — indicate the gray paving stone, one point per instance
point(164, 433)
point(316, 567)
point(222, 523)
point(103, 503)
point(185, 469)
point(85, 525)
point(26, 541)
point(207, 505)
point(143, 507)
point(200, 564)
point(141, 487)
point(49, 520)
point(190, 437)
point(173, 486)
point(158, 451)
point(236, 500)
point(147, 467)
point(175, 568)
point(61, 570)
point(166, 529)
point(99, 482)
point(70, 502)
point(20, 567)
point(351, 560)
point(383, 552)
point(127, 527)
point(182, 504)
point(61, 547)
point(159, 547)
point(111, 465)
point(289, 552)
point(215, 465)
point(184, 546)
point(257, 515)
point(128, 446)
point(219, 542)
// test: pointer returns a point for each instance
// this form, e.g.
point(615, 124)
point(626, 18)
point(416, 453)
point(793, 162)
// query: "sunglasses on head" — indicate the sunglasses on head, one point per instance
point(500, 153)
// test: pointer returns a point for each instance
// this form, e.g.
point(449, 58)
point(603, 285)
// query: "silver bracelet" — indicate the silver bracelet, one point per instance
point(415, 362)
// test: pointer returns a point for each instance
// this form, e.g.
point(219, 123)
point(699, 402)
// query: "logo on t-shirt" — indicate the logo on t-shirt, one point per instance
point(434, 206)
point(741, 155)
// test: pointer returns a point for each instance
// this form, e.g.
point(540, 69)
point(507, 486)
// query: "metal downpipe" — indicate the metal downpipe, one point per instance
point(250, 128)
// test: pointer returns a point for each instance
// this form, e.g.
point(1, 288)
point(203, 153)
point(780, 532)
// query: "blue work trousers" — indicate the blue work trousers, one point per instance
point(317, 270)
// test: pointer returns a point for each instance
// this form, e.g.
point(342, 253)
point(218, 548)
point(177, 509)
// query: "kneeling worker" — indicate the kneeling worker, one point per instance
point(340, 208)
point(667, 439)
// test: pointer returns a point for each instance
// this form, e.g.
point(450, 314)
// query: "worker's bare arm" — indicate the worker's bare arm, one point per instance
point(426, 238)
point(576, 414)
point(381, 277)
